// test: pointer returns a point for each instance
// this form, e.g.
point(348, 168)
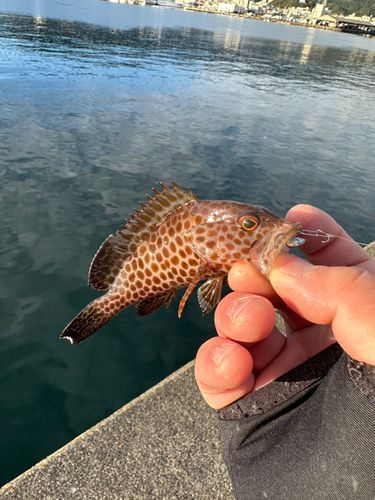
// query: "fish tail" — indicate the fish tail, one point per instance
point(92, 317)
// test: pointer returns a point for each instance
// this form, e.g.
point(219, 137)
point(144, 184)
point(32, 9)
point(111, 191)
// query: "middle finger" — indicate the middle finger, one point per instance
point(244, 317)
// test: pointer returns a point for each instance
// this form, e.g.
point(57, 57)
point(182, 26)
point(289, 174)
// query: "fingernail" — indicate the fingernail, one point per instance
point(237, 306)
point(292, 265)
point(220, 352)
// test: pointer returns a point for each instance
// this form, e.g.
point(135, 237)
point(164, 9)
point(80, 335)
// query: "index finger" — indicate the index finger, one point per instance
point(243, 277)
point(335, 252)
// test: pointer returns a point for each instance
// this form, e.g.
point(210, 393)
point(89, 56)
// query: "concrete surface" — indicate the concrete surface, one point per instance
point(370, 248)
point(162, 445)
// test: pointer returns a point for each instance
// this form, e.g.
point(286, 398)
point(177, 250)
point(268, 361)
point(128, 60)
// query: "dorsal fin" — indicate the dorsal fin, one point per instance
point(118, 247)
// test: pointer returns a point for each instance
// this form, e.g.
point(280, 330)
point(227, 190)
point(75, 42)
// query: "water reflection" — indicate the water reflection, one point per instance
point(84, 49)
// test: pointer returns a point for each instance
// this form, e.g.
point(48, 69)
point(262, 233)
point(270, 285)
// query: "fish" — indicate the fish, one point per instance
point(175, 241)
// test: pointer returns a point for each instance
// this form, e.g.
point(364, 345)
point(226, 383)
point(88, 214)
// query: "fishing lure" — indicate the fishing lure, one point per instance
point(319, 233)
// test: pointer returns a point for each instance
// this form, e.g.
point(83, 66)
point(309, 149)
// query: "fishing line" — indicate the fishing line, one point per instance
point(318, 232)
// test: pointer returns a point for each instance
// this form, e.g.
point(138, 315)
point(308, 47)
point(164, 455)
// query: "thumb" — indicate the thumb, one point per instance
point(341, 296)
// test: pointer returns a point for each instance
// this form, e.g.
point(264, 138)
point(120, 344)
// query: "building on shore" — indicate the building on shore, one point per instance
point(231, 8)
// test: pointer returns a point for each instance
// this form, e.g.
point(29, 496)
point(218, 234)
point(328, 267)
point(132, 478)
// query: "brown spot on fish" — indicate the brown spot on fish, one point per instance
point(192, 262)
point(154, 267)
point(140, 274)
point(175, 260)
point(172, 247)
point(141, 263)
point(142, 250)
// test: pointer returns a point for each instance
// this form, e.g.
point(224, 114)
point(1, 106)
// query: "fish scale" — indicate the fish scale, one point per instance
point(174, 242)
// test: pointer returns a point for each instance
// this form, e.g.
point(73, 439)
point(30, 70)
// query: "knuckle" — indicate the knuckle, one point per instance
point(356, 279)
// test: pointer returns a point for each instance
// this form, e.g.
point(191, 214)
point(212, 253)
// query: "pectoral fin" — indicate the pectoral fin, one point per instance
point(209, 294)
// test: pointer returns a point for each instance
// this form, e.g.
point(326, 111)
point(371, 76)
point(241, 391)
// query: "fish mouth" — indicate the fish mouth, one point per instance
point(268, 248)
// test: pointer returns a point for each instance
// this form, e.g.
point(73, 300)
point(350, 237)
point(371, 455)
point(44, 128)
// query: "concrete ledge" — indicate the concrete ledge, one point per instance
point(370, 249)
point(162, 445)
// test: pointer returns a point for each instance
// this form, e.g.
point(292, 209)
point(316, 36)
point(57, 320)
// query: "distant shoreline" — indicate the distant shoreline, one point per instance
point(325, 21)
point(278, 21)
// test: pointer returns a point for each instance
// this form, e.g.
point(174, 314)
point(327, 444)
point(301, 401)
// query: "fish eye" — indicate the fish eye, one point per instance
point(249, 222)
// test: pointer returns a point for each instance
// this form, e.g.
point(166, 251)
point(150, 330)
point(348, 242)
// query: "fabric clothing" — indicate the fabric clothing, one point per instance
point(310, 434)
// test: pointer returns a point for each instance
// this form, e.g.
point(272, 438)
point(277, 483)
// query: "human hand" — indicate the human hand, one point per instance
point(320, 304)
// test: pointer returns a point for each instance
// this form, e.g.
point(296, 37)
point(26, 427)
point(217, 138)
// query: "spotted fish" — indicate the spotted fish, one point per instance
point(174, 241)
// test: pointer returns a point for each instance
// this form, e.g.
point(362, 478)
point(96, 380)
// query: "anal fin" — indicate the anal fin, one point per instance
point(149, 306)
point(209, 294)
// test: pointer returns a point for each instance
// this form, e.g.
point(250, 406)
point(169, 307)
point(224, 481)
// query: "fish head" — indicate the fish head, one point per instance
point(226, 232)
